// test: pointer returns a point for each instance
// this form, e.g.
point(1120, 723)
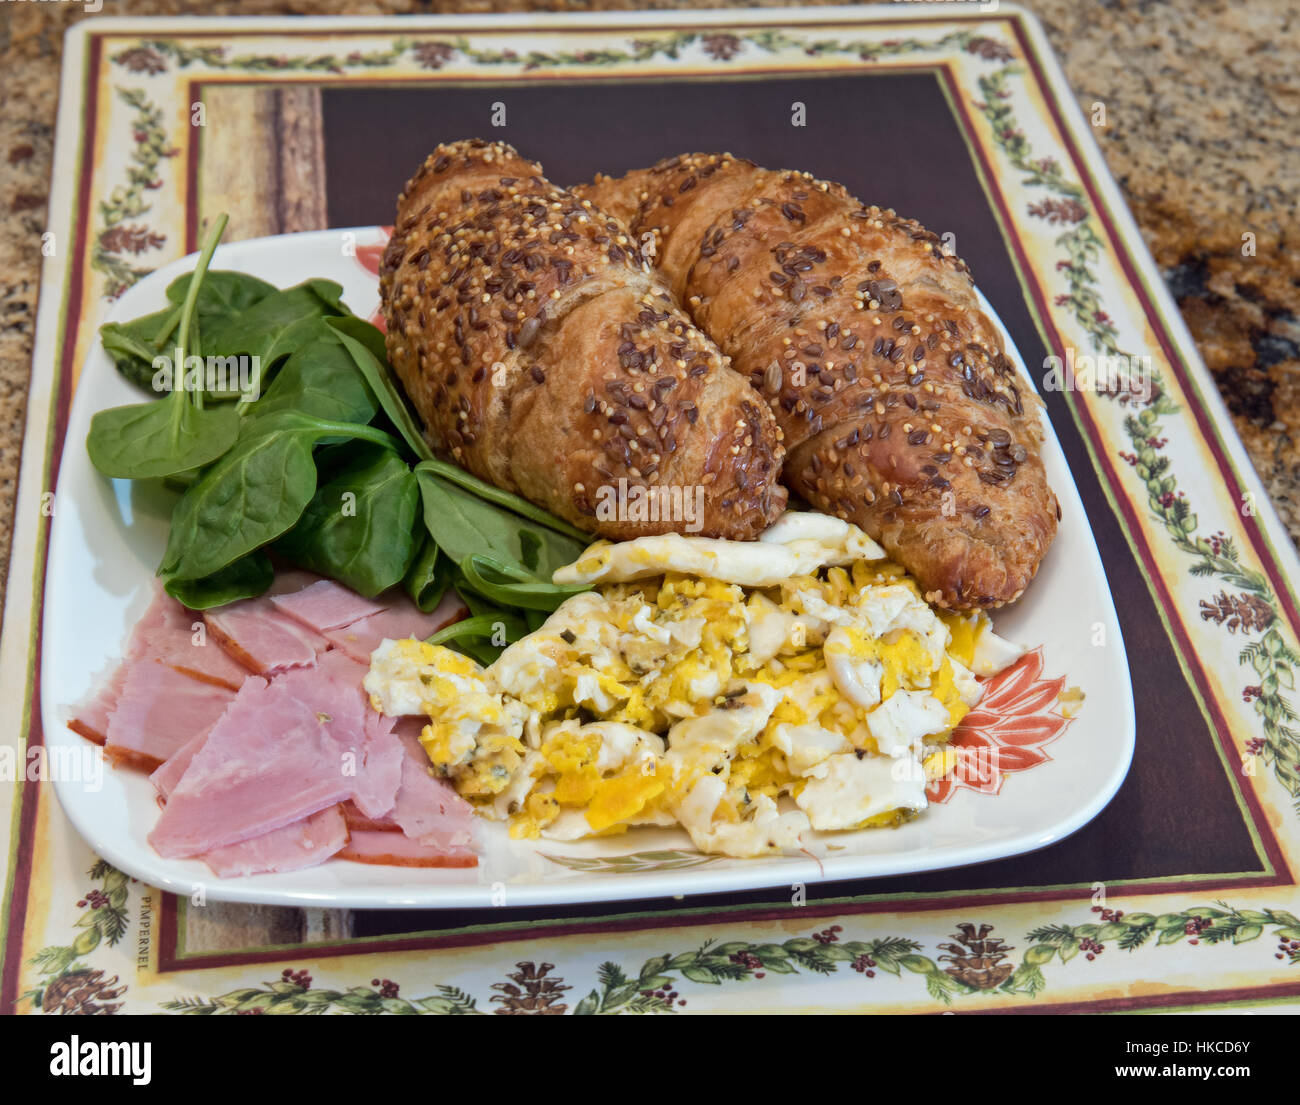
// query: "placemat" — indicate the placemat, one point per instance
point(1176, 896)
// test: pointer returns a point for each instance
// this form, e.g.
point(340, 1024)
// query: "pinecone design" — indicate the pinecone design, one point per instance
point(1240, 611)
point(85, 992)
point(977, 958)
point(531, 992)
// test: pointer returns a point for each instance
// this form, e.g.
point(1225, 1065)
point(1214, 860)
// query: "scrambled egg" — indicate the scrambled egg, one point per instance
point(746, 691)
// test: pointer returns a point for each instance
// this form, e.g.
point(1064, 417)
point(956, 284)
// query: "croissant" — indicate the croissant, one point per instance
point(544, 355)
point(900, 408)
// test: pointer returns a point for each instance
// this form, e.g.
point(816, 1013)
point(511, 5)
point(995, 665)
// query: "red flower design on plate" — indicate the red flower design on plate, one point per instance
point(1006, 732)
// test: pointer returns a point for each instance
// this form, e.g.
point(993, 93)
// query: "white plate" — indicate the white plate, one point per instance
point(109, 535)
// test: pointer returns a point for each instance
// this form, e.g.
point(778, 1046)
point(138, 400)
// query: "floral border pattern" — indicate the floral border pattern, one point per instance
point(977, 962)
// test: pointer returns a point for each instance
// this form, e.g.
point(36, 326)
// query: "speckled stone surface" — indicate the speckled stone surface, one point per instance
point(1203, 134)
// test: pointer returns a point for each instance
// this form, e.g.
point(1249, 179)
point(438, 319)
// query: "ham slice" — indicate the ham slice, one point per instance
point(165, 633)
point(165, 778)
point(326, 605)
point(399, 850)
point(401, 620)
point(159, 711)
point(305, 843)
point(430, 826)
point(427, 809)
point(285, 749)
point(173, 635)
point(265, 641)
point(90, 719)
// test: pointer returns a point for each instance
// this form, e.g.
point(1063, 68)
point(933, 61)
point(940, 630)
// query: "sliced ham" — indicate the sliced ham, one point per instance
point(430, 826)
point(265, 641)
point(401, 620)
point(326, 605)
point(285, 749)
point(359, 822)
point(305, 843)
point(165, 633)
point(399, 850)
point(428, 810)
point(90, 719)
point(165, 778)
point(170, 633)
point(159, 711)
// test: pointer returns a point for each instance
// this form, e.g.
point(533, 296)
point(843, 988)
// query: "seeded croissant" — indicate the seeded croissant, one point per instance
point(546, 356)
point(900, 409)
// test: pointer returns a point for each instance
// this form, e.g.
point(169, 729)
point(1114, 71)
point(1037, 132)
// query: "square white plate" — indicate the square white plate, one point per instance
point(108, 536)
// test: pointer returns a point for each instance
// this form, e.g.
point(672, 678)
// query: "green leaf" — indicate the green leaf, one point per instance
point(1038, 954)
point(150, 440)
point(246, 578)
point(588, 1005)
point(358, 527)
point(700, 974)
point(499, 583)
point(223, 293)
point(252, 495)
point(358, 338)
point(1247, 932)
point(480, 626)
point(429, 576)
point(1170, 935)
point(277, 325)
point(511, 502)
point(320, 379)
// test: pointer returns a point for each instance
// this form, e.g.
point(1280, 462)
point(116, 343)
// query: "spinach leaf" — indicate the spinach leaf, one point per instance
point(133, 345)
point(429, 576)
point(246, 578)
point(253, 494)
point(278, 324)
point(464, 525)
point(223, 293)
point(506, 499)
point(358, 528)
point(358, 337)
point(322, 380)
point(148, 440)
point(501, 583)
point(496, 627)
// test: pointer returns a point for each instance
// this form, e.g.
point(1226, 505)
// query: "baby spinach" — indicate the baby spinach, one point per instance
point(500, 628)
point(223, 293)
point(515, 503)
point(359, 526)
point(148, 440)
point(429, 575)
point(508, 586)
point(359, 338)
point(278, 324)
point(301, 465)
point(246, 578)
point(320, 379)
point(253, 494)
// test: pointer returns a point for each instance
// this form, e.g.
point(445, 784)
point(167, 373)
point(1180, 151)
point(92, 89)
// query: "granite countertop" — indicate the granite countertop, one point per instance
point(1203, 135)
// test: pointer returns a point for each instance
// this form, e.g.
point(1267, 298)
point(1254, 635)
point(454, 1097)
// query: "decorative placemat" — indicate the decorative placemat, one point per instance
point(1177, 895)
